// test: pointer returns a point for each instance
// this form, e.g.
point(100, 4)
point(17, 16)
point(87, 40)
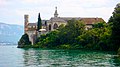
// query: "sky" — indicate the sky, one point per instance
point(13, 11)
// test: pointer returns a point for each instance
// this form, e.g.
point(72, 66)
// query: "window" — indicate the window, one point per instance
point(45, 23)
point(55, 26)
point(49, 27)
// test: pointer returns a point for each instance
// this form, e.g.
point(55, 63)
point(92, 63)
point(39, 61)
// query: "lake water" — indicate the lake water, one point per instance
point(10, 56)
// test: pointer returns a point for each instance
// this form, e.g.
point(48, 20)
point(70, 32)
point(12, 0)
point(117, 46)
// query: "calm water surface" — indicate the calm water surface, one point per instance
point(10, 56)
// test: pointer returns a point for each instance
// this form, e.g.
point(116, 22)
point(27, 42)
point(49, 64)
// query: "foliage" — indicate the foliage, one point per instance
point(99, 25)
point(115, 21)
point(49, 39)
point(24, 41)
point(96, 38)
point(63, 35)
point(74, 36)
point(39, 23)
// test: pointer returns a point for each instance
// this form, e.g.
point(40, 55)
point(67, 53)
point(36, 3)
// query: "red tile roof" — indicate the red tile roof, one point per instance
point(92, 20)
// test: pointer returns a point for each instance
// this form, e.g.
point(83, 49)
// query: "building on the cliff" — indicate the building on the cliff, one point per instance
point(30, 29)
point(52, 24)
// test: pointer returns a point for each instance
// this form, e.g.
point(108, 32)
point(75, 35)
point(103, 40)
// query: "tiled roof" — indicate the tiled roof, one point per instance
point(32, 24)
point(92, 20)
point(85, 20)
point(57, 19)
point(70, 18)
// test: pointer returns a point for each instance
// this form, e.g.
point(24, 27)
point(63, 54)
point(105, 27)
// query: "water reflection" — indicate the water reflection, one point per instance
point(66, 58)
point(116, 61)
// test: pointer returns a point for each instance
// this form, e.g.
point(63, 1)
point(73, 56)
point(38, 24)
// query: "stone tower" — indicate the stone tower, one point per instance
point(55, 14)
point(26, 17)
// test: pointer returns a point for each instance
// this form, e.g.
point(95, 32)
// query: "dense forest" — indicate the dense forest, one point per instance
point(102, 36)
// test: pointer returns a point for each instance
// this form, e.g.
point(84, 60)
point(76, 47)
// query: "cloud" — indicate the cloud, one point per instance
point(74, 8)
point(3, 3)
point(88, 3)
point(34, 1)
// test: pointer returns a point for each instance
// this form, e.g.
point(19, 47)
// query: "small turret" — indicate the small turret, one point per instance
point(55, 14)
point(26, 21)
point(26, 17)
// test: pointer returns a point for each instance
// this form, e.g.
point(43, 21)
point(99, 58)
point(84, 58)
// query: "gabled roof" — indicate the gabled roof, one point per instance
point(32, 24)
point(92, 20)
point(85, 20)
point(70, 18)
point(57, 19)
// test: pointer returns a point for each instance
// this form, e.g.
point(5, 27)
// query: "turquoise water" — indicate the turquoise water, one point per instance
point(10, 56)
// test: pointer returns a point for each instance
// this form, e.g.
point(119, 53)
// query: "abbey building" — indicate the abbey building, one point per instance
point(34, 30)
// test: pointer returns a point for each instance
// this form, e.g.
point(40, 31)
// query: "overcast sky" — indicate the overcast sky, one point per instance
point(12, 11)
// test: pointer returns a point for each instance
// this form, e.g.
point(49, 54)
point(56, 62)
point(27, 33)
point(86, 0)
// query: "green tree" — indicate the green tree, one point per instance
point(95, 38)
point(73, 29)
point(115, 20)
point(39, 23)
point(64, 35)
point(99, 25)
point(49, 40)
point(24, 41)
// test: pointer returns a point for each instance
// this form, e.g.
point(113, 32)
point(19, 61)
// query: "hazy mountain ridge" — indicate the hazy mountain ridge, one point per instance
point(10, 33)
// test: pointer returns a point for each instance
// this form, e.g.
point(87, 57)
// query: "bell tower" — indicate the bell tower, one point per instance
point(56, 13)
point(26, 21)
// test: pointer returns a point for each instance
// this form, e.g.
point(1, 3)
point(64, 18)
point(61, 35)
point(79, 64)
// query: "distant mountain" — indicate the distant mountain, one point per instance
point(10, 33)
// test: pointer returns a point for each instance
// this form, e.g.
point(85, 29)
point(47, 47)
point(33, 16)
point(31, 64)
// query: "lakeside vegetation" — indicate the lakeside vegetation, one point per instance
point(24, 41)
point(103, 36)
point(74, 36)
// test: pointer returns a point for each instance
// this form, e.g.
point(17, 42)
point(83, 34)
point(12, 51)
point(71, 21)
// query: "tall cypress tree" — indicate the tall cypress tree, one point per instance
point(115, 20)
point(39, 23)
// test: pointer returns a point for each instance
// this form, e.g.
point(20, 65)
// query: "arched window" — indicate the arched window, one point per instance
point(49, 27)
point(45, 23)
point(55, 26)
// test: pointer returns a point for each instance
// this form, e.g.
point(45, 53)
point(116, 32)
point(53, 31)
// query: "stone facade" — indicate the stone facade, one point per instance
point(54, 23)
point(30, 29)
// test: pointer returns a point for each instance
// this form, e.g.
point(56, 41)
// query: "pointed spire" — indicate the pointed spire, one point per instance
point(55, 14)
